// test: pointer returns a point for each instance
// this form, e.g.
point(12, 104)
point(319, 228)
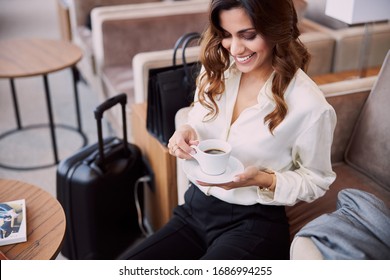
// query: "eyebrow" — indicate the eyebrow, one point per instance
point(246, 30)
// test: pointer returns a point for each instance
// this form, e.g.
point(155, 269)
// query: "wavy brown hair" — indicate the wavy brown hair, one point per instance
point(274, 20)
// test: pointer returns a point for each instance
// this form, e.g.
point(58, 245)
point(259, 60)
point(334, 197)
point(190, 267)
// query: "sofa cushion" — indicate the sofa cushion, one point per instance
point(320, 47)
point(348, 51)
point(150, 34)
point(303, 248)
point(369, 149)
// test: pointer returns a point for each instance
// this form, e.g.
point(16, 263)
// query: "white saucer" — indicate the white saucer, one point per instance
point(194, 173)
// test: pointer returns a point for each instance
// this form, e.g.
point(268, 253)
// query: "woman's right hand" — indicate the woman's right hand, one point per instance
point(179, 144)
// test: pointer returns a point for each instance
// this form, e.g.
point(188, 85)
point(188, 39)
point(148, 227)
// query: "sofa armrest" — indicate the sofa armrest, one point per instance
point(120, 32)
point(182, 180)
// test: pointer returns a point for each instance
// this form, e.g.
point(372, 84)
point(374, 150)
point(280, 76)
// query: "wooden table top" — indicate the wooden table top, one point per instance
point(45, 222)
point(342, 76)
point(30, 57)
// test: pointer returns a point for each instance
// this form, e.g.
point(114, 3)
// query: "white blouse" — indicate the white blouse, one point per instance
point(298, 152)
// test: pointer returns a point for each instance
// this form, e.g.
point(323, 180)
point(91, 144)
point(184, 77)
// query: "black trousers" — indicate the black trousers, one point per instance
point(208, 228)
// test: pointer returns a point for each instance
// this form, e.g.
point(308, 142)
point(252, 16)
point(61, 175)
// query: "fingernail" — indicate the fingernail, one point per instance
point(236, 179)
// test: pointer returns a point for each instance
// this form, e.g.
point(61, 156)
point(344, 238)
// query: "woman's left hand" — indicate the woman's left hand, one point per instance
point(250, 177)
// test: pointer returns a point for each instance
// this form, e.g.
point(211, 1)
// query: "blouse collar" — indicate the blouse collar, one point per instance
point(265, 95)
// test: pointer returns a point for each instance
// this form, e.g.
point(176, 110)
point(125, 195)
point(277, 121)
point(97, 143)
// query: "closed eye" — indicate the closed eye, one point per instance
point(248, 36)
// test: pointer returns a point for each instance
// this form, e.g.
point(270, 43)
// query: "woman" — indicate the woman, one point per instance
point(253, 93)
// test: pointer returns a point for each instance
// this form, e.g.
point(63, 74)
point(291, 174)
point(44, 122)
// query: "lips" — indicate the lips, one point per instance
point(245, 58)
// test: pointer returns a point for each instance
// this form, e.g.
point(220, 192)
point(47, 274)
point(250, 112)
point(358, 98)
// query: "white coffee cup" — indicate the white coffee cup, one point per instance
point(212, 155)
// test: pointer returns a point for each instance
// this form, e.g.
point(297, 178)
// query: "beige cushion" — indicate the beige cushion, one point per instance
point(120, 34)
point(321, 48)
point(303, 248)
point(349, 42)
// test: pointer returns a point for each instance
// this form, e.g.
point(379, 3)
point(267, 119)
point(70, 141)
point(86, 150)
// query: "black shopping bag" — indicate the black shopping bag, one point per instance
point(170, 89)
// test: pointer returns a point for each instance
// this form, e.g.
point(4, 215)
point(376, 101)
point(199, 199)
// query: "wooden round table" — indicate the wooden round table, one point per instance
point(45, 222)
point(33, 57)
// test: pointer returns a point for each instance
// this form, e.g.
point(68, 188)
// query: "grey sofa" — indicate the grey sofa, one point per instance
point(361, 156)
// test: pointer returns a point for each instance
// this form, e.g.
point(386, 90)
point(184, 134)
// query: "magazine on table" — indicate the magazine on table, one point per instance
point(13, 222)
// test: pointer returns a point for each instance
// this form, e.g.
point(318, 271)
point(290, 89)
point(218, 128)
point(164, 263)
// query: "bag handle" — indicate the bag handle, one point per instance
point(188, 37)
point(187, 41)
point(109, 103)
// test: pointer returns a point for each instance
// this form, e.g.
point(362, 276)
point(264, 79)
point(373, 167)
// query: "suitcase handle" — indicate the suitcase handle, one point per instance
point(109, 103)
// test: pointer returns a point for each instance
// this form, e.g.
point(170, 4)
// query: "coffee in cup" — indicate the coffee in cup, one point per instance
point(212, 155)
point(214, 151)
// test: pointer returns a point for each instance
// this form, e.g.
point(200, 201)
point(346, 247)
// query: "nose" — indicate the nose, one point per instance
point(236, 46)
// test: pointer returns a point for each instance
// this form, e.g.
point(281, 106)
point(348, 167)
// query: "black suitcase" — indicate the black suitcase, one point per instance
point(96, 189)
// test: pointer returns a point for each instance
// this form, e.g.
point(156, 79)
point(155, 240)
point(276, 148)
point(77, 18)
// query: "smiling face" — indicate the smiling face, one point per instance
point(250, 51)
